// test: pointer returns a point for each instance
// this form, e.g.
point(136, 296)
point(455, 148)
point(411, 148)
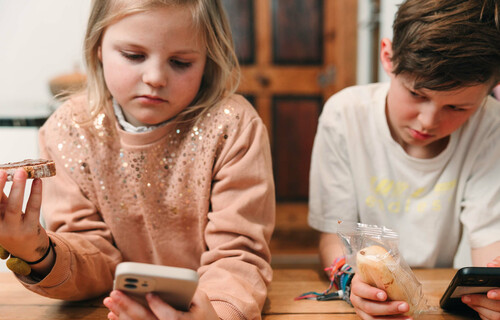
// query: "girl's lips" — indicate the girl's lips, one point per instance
point(419, 135)
point(150, 99)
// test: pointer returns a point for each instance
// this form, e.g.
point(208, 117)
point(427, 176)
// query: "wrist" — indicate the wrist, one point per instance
point(45, 255)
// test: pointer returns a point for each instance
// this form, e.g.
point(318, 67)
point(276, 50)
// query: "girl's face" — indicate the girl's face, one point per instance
point(153, 63)
point(422, 120)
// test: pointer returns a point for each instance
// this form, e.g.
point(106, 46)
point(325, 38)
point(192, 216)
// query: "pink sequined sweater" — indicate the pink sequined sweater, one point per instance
point(198, 196)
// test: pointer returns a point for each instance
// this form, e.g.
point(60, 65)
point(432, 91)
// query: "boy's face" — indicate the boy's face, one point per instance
point(422, 120)
point(153, 63)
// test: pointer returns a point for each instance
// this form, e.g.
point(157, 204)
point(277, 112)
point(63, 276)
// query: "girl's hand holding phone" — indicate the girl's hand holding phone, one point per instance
point(123, 307)
point(21, 232)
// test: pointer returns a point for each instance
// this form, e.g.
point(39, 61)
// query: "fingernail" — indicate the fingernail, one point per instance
point(19, 174)
point(466, 299)
point(107, 302)
point(115, 294)
point(402, 307)
point(381, 296)
point(493, 295)
point(36, 183)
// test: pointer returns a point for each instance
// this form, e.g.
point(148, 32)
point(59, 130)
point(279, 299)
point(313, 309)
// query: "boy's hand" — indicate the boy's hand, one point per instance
point(488, 306)
point(21, 232)
point(123, 307)
point(370, 302)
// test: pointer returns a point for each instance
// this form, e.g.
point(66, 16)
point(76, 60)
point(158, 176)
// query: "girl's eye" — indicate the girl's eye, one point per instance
point(180, 64)
point(132, 56)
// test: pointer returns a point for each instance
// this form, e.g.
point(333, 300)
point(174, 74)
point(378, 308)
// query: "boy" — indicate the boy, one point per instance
point(418, 155)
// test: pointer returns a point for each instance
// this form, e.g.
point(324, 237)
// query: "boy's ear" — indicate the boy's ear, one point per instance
point(386, 55)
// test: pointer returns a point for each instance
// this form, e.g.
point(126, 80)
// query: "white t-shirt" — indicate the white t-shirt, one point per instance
point(359, 173)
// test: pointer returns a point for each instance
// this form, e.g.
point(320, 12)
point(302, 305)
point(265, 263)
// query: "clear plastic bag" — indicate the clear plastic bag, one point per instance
point(375, 249)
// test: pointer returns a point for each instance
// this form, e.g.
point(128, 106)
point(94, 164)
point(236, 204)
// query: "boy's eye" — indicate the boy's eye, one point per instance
point(455, 108)
point(414, 94)
point(132, 56)
point(180, 64)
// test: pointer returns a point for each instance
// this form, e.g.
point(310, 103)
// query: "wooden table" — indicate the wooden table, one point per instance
point(16, 302)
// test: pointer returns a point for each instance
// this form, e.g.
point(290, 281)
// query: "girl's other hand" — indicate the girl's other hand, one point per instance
point(123, 307)
point(371, 302)
point(21, 232)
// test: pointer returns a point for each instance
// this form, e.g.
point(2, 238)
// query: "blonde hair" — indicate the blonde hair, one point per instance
point(221, 75)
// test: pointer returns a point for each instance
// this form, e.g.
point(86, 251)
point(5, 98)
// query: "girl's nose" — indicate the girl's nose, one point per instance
point(155, 76)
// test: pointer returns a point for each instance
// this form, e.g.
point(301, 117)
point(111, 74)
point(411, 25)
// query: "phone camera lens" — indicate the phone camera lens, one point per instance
point(131, 280)
point(130, 286)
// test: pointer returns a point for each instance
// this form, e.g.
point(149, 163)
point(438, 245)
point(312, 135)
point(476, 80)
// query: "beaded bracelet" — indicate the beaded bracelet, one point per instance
point(20, 266)
point(340, 277)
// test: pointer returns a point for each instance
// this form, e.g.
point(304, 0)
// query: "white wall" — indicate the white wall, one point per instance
point(388, 9)
point(39, 39)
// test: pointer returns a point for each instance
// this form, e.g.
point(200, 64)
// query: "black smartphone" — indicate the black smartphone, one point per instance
point(469, 280)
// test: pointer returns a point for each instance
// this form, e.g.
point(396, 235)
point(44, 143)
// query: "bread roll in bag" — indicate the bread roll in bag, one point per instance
point(377, 267)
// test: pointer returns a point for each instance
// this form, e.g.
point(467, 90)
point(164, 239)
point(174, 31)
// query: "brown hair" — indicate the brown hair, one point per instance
point(221, 75)
point(447, 44)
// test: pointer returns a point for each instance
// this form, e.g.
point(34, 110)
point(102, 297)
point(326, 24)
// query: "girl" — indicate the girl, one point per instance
point(160, 162)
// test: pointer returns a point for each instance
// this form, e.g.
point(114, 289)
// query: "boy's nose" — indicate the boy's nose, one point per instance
point(429, 117)
point(155, 76)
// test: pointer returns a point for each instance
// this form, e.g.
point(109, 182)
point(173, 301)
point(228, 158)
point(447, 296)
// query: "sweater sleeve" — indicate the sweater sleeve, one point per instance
point(85, 255)
point(235, 270)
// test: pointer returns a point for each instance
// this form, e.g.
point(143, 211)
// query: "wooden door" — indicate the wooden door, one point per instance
point(294, 55)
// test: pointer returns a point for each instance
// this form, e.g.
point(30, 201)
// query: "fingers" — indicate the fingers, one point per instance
point(201, 308)
point(370, 301)
point(363, 290)
point(159, 308)
point(14, 205)
point(124, 308)
point(34, 204)
point(486, 308)
point(494, 294)
point(3, 181)
point(3, 198)
point(495, 263)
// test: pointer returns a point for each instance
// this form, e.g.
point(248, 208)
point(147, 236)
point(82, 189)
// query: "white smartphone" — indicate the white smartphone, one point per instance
point(175, 286)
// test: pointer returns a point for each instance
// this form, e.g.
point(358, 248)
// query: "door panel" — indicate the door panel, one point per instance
point(297, 32)
point(294, 55)
point(295, 119)
point(242, 28)
point(303, 52)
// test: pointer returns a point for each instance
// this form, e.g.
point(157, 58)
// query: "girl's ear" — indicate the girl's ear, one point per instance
point(386, 55)
point(99, 53)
